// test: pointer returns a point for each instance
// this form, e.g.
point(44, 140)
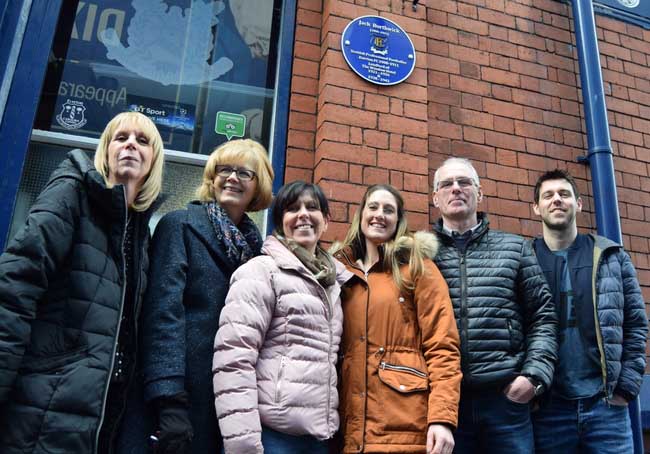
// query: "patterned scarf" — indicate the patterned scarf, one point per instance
point(321, 264)
point(242, 242)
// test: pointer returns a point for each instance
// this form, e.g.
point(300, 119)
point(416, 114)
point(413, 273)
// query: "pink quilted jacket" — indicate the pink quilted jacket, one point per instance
point(276, 350)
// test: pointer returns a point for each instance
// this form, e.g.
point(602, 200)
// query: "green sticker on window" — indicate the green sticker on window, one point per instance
point(230, 124)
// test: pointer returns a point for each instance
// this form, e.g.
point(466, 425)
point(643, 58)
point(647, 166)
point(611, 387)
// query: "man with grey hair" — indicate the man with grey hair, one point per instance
point(505, 316)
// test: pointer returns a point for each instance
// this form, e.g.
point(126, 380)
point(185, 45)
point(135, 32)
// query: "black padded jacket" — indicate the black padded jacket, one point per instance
point(61, 297)
point(503, 307)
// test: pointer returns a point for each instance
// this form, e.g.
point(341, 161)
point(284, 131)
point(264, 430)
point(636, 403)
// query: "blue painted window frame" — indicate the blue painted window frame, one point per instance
point(23, 96)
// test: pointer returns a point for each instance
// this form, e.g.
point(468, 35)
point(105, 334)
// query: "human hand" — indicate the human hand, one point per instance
point(618, 401)
point(175, 429)
point(520, 390)
point(440, 440)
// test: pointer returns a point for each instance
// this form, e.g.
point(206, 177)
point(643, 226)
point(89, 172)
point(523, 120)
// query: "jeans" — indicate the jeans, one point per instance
point(489, 422)
point(590, 425)
point(280, 443)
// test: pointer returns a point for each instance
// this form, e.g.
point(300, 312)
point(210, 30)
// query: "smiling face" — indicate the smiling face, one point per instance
point(379, 217)
point(304, 222)
point(458, 201)
point(557, 205)
point(233, 194)
point(130, 154)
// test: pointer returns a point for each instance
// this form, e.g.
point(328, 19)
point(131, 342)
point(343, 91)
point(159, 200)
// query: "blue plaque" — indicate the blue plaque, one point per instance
point(378, 50)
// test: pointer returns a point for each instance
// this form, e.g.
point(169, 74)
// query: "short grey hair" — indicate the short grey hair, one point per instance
point(461, 161)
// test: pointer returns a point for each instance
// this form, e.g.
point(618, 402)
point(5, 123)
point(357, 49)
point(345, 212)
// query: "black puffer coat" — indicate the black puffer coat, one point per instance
point(503, 307)
point(61, 295)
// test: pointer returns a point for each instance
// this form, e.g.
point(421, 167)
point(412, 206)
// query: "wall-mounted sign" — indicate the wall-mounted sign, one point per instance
point(634, 11)
point(378, 50)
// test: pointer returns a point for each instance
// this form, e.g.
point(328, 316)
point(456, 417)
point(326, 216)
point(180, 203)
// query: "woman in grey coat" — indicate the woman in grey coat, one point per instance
point(276, 349)
point(193, 254)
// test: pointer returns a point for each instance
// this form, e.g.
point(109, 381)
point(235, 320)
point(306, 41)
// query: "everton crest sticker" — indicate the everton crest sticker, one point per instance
point(72, 115)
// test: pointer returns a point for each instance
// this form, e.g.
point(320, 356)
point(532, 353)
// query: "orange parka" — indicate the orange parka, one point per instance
point(401, 360)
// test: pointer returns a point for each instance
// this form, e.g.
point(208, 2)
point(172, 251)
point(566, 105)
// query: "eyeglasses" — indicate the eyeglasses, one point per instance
point(463, 183)
point(242, 174)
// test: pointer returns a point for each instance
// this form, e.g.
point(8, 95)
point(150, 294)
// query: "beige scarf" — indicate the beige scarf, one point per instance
point(320, 264)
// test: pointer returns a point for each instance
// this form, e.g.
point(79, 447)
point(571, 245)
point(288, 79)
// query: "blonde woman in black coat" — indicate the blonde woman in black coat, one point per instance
point(71, 283)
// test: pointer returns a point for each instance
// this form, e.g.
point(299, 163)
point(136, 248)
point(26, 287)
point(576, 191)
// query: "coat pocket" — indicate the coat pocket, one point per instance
point(403, 379)
point(401, 401)
point(53, 363)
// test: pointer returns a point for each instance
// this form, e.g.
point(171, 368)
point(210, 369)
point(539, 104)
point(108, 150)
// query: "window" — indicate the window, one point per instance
point(203, 70)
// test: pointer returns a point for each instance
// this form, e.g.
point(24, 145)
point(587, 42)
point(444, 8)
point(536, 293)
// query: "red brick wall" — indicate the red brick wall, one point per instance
point(495, 81)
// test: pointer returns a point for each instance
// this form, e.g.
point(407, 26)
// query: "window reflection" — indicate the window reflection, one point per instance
point(178, 61)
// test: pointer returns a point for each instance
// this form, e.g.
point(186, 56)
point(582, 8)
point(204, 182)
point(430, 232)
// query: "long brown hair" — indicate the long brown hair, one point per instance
point(403, 248)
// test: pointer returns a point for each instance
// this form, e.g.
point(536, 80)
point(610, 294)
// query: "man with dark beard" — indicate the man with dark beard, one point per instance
point(602, 324)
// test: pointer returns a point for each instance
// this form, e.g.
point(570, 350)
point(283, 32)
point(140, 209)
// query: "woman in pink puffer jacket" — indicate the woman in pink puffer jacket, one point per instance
point(276, 349)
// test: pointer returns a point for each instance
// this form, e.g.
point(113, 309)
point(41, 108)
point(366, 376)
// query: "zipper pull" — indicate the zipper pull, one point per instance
point(382, 365)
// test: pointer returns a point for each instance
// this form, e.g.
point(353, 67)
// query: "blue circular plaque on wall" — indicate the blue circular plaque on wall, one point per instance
point(378, 50)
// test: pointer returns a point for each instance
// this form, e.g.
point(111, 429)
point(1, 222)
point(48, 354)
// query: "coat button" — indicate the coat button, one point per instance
point(401, 299)
point(381, 350)
point(402, 387)
point(362, 338)
point(361, 394)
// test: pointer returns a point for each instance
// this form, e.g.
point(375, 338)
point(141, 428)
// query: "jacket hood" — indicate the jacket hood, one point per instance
point(427, 241)
point(603, 243)
point(284, 258)
point(76, 165)
point(79, 166)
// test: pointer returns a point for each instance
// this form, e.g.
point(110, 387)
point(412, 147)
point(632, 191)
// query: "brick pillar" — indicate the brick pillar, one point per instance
point(367, 133)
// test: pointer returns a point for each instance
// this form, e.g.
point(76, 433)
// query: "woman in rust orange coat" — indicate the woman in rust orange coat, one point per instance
point(400, 379)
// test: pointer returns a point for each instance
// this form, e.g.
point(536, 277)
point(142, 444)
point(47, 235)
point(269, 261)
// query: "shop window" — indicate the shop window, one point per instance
point(183, 63)
point(204, 71)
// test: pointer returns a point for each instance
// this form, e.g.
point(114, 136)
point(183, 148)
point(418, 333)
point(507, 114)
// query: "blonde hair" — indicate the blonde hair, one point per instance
point(152, 185)
point(403, 248)
point(241, 152)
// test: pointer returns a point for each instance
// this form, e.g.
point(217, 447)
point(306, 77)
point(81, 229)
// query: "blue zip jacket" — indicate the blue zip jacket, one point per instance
point(621, 324)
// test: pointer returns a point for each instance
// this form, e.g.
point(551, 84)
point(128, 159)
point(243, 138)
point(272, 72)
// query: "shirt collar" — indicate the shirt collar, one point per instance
point(452, 233)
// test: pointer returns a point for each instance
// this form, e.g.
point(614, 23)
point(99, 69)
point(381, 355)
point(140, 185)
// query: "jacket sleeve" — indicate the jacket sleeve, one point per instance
point(440, 346)
point(163, 312)
point(242, 329)
point(540, 318)
point(31, 261)
point(635, 330)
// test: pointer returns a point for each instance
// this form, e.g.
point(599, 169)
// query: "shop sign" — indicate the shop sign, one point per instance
point(630, 6)
point(634, 11)
point(378, 50)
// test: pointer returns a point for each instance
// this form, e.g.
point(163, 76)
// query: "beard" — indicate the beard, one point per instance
point(559, 225)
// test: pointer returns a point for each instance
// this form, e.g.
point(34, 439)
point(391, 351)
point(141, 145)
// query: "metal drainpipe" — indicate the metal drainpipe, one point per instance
point(600, 151)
